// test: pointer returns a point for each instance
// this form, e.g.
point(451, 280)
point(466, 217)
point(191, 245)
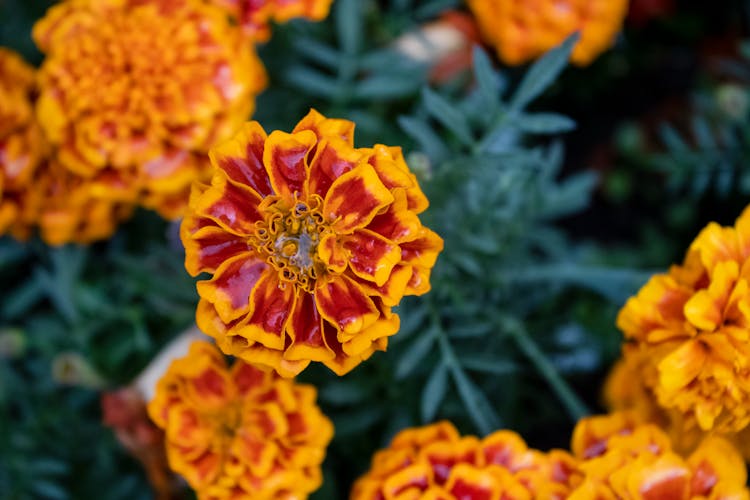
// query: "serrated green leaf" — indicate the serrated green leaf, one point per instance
point(434, 392)
point(414, 354)
point(448, 115)
point(542, 74)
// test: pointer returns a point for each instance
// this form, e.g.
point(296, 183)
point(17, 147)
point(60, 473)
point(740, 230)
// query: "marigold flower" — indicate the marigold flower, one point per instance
point(620, 458)
point(434, 462)
point(239, 432)
point(522, 31)
point(22, 146)
point(255, 16)
point(693, 323)
point(310, 241)
point(143, 88)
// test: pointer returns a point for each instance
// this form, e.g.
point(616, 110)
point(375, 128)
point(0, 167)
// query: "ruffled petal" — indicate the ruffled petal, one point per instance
point(232, 206)
point(682, 366)
point(229, 289)
point(354, 199)
point(372, 257)
point(333, 158)
point(242, 158)
point(325, 128)
point(271, 307)
point(343, 303)
point(306, 329)
point(285, 159)
point(210, 246)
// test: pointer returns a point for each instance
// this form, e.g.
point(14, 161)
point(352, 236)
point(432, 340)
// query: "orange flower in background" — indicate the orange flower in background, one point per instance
point(620, 458)
point(310, 241)
point(693, 324)
point(255, 16)
point(143, 88)
point(22, 146)
point(522, 31)
point(435, 463)
point(238, 432)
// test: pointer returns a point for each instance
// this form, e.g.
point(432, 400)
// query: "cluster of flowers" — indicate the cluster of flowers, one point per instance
point(129, 99)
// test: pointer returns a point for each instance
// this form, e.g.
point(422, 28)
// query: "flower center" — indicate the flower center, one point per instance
point(289, 238)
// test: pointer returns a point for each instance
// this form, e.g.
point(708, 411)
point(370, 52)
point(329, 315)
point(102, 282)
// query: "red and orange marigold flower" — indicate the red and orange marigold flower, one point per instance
point(435, 463)
point(620, 458)
point(143, 88)
point(692, 328)
point(239, 432)
point(310, 241)
point(255, 16)
point(523, 30)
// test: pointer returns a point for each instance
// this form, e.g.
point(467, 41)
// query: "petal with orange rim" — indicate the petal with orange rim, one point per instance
point(333, 158)
point(285, 159)
point(372, 257)
point(668, 478)
point(682, 366)
point(397, 223)
point(422, 251)
point(327, 127)
point(254, 450)
point(394, 172)
point(232, 206)
point(230, 287)
point(716, 244)
point(442, 457)
point(343, 303)
point(270, 309)
point(341, 364)
point(332, 253)
point(466, 481)
point(361, 342)
point(716, 460)
point(307, 332)
point(249, 378)
point(262, 355)
point(507, 449)
point(210, 246)
point(355, 198)
point(394, 288)
point(242, 158)
point(417, 476)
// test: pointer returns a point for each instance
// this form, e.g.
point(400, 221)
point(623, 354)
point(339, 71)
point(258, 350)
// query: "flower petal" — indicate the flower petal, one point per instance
point(397, 223)
point(394, 288)
point(372, 257)
point(327, 127)
point(681, 367)
point(231, 205)
point(208, 247)
point(285, 159)
point(307, 332)
point(229, 289)
point(270, 309)
point(242, 158)
point(333, 158)
point(343, 303)
point(355, 198)
point(332, 253)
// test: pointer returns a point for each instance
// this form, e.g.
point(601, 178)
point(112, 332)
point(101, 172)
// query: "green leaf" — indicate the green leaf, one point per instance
point(434, 392)
point(428, 140)
point(25, 296)
point(415, 353)
point(450, 116)
point(349, 24)
point(479, 408)
point(489, 84)
point(542, 74)
point(544, 123)
point(487, 364)
point(312, 82)
point(386, 87)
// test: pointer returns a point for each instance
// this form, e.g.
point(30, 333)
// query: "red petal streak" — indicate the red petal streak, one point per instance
point(242, 158)
point(355, 198)
point(422, 251)
point(247, 378)
point(394, 288)
point(233, 206)
point(307, 332)
point(209, 247)
point(229, 289)
point(397, 223)
point(372, 257)
point(285, 161)
point(333, 158)
point(271, 308)
point(332, 253)
point(343, 303)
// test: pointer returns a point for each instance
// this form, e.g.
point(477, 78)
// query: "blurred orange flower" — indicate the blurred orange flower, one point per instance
point(435, 463)
point(238, 432)
point(22, 145)
point(522, 31)
point(693, 323)
point(144, 89)
point(310, 241)
point(620, 458)
point(255, 16)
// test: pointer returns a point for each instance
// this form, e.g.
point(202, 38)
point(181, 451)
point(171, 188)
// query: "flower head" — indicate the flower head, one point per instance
point(310, 241)
point(255, 16)
point(238, 432)
point(619, 458)
point(22, 145)
point(434, 462)
point(693, 326)
point(521, 31)
point(143, 88)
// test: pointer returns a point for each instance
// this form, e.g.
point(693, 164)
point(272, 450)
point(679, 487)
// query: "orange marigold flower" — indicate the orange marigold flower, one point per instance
point(22, 146)
point(239, 432)
point(310, 241)
point(256, 16)
point(142, 87)
point(522, 31)
point(694, 325)
point(620, 458)
point(435, 463)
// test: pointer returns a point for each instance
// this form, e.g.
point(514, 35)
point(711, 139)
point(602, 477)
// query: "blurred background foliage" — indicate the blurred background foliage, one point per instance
point(557, 191)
